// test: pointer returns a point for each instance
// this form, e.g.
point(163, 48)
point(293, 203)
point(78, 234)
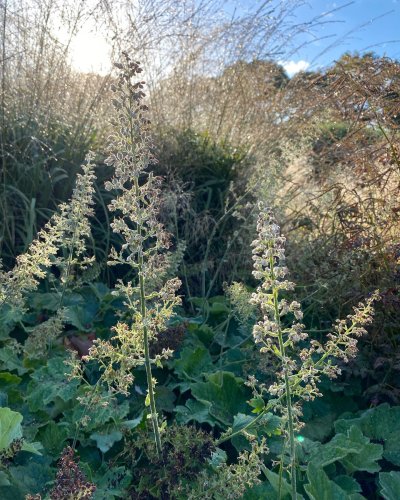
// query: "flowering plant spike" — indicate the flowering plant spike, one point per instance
point(149, 300)
point(302, 362)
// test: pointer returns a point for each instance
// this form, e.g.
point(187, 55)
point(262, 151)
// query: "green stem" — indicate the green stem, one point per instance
point(147, 362)
point(142, 299)
point(287, 388)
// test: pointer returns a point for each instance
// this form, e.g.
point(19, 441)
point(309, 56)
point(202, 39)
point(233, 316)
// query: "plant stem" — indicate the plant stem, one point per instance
point(150, 386)
point(142, 299)
point(287, 385)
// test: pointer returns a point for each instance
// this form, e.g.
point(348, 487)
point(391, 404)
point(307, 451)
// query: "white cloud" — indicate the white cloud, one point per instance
point(293, 67)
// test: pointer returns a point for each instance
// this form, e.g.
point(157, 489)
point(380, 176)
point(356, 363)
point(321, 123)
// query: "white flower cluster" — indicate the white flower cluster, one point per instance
point(69, 229)
point(269, 267)
point(302, 362)
point(150, 298)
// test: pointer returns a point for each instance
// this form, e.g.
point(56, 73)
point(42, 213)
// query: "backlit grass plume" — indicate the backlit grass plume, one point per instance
point(145, 245)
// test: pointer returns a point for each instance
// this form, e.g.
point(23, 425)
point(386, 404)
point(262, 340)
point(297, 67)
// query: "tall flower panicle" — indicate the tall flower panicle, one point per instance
point(68, 230)
point(150, 301)
point(304, 364)
point(281, 333)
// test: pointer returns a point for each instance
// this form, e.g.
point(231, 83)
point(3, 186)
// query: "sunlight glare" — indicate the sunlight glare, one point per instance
point(90, 52)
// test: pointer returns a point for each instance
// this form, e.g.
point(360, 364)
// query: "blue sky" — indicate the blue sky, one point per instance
point(359, 26)
point(364, 25)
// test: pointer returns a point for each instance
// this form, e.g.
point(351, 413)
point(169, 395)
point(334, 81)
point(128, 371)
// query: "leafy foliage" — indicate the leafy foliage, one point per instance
point(145, 398)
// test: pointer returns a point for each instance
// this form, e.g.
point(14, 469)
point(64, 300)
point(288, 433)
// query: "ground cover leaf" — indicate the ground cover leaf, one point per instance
point(193, 363)
point(112, 483)
point(50, 383)
point(33, 477)
point(367, 455)
point(10, 427)
point(98, 415)
point(53, 436)
point(10, 361)
point(382, 424)
point(106, 440)
point(320, 487)
point(224, 394)
point(390, 484)
point(196, 411)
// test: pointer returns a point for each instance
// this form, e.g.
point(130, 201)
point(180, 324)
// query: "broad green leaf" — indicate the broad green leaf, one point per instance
point(353, 450)
point(320, 487)
point(194, 411)
point(10, 427)
point(204, 333)
point(198, 302)
point(319, 428)
point(261, 491)
point(4, 480)
point(98, 415)
point(44, 301)
point(331, 452)
point(7, 379)
point(240, 421)
point(267, 425)
point(391, 448)
point(53, 437)
point(258, 404)
point(50, 383)
point(218, 457)
point(382, 424)
point(34, 477)
point(112, 483)
point(9, 317)
point(165, 398)
point(390, 484)
point(367, 453)
point(278, 484)
point(376, 423)
point(225, 394)
point(10, 361)
point(100, 290)
point(82, 315)
point(348, 484)
point(105, 441)
point(233, 360)
point(217, 308)
point(193, 363)
point(132, 424)
point(10, 394)
point(34, 448)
